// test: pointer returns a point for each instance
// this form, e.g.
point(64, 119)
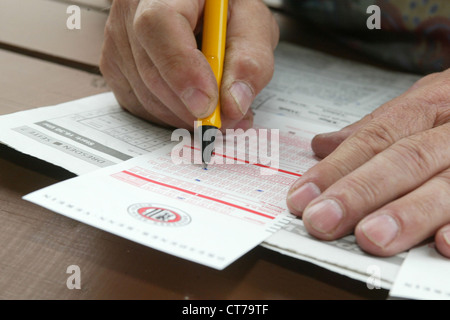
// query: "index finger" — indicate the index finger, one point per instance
point(165, 29)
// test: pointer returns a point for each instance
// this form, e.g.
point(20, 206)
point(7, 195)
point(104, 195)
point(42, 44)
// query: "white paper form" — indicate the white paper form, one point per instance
point(424, 275)
point(82, 135)
point(209, 216)
point(342, 256)
point(322, 89)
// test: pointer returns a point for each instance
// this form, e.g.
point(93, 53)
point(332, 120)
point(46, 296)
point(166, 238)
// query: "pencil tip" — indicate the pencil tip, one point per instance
point(208, 136)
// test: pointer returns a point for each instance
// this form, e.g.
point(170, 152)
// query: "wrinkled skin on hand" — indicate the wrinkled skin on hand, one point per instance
point(386, 177)
point(152, 62)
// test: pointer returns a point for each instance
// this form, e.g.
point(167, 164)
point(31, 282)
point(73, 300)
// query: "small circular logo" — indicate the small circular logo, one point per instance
point(161, 215)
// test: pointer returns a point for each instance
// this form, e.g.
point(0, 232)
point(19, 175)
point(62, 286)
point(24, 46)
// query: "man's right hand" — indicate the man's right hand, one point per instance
point(152, 62)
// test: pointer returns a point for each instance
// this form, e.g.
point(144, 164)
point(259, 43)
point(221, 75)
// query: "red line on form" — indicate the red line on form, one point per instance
point(248, 162)
point(197, 194)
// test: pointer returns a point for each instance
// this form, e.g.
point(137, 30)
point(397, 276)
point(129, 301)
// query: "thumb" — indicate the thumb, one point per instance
point(249, 63)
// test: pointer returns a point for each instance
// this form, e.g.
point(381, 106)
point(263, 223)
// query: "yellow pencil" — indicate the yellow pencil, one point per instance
point(213, 47)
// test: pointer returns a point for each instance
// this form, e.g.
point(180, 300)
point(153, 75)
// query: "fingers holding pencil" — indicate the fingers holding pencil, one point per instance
point(160, 72)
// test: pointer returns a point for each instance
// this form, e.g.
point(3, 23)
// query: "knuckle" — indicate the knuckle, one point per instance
point(374, 138)
point(433, 98)
point(415, 156)
point(256, 63)
point(121, 11)
point(445, 78)
point(363, 189)
point(109, 29)
point(337, 166)
point(148, 20)
point(438, 96)
point(145, 21)
point(250, 64)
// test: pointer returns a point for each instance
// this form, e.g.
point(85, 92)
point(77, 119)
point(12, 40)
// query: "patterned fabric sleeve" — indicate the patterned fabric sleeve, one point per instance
point(414, 34)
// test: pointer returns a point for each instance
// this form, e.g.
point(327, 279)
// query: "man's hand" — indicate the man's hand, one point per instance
point(152, 62)
point(386, 177)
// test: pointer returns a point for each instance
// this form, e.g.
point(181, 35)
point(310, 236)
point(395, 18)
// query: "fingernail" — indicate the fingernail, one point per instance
point(196, 101)
point(300, 198)
point(242, 95)
point(380, 230)
point(446, 236)
point(324, 216)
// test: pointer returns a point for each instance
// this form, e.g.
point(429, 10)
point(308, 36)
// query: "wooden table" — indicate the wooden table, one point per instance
point(42, 63)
